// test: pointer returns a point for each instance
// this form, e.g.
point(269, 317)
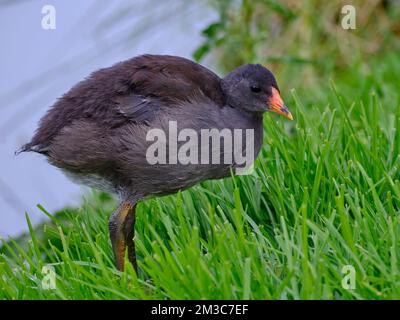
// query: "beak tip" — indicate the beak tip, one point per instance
point(276, 105)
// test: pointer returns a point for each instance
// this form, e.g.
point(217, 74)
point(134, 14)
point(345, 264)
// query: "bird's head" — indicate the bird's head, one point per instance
point(253, 88)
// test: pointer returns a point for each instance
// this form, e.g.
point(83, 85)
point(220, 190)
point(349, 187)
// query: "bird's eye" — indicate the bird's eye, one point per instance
point(255, 89)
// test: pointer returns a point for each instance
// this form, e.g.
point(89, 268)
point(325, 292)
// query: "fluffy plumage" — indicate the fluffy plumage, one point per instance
point(96, 131)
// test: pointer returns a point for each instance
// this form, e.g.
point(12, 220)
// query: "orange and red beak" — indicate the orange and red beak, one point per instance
point(276, 105)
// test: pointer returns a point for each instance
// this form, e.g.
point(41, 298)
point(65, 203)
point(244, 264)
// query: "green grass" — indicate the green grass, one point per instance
point(325, 194)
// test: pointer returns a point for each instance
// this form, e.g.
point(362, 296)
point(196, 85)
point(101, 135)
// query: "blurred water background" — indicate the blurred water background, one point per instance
point(37, 66)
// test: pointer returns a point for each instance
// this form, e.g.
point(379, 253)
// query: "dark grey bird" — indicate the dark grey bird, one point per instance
point(98, 132)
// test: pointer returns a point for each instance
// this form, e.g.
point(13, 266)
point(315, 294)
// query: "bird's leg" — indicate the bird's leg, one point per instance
point(121, 228)
point(129, 232)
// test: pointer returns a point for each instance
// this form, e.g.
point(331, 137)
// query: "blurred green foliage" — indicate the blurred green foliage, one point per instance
point(302, 41)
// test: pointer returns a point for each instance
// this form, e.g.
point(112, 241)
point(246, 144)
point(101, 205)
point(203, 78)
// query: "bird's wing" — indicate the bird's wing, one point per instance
point(137, 108)
point(157, 81)
point(171, 78)
point(132, 90)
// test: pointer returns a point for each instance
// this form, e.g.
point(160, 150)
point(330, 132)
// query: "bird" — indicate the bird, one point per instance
point(97, 133)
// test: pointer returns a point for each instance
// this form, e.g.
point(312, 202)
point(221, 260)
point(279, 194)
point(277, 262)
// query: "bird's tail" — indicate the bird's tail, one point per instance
point(28, 147)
